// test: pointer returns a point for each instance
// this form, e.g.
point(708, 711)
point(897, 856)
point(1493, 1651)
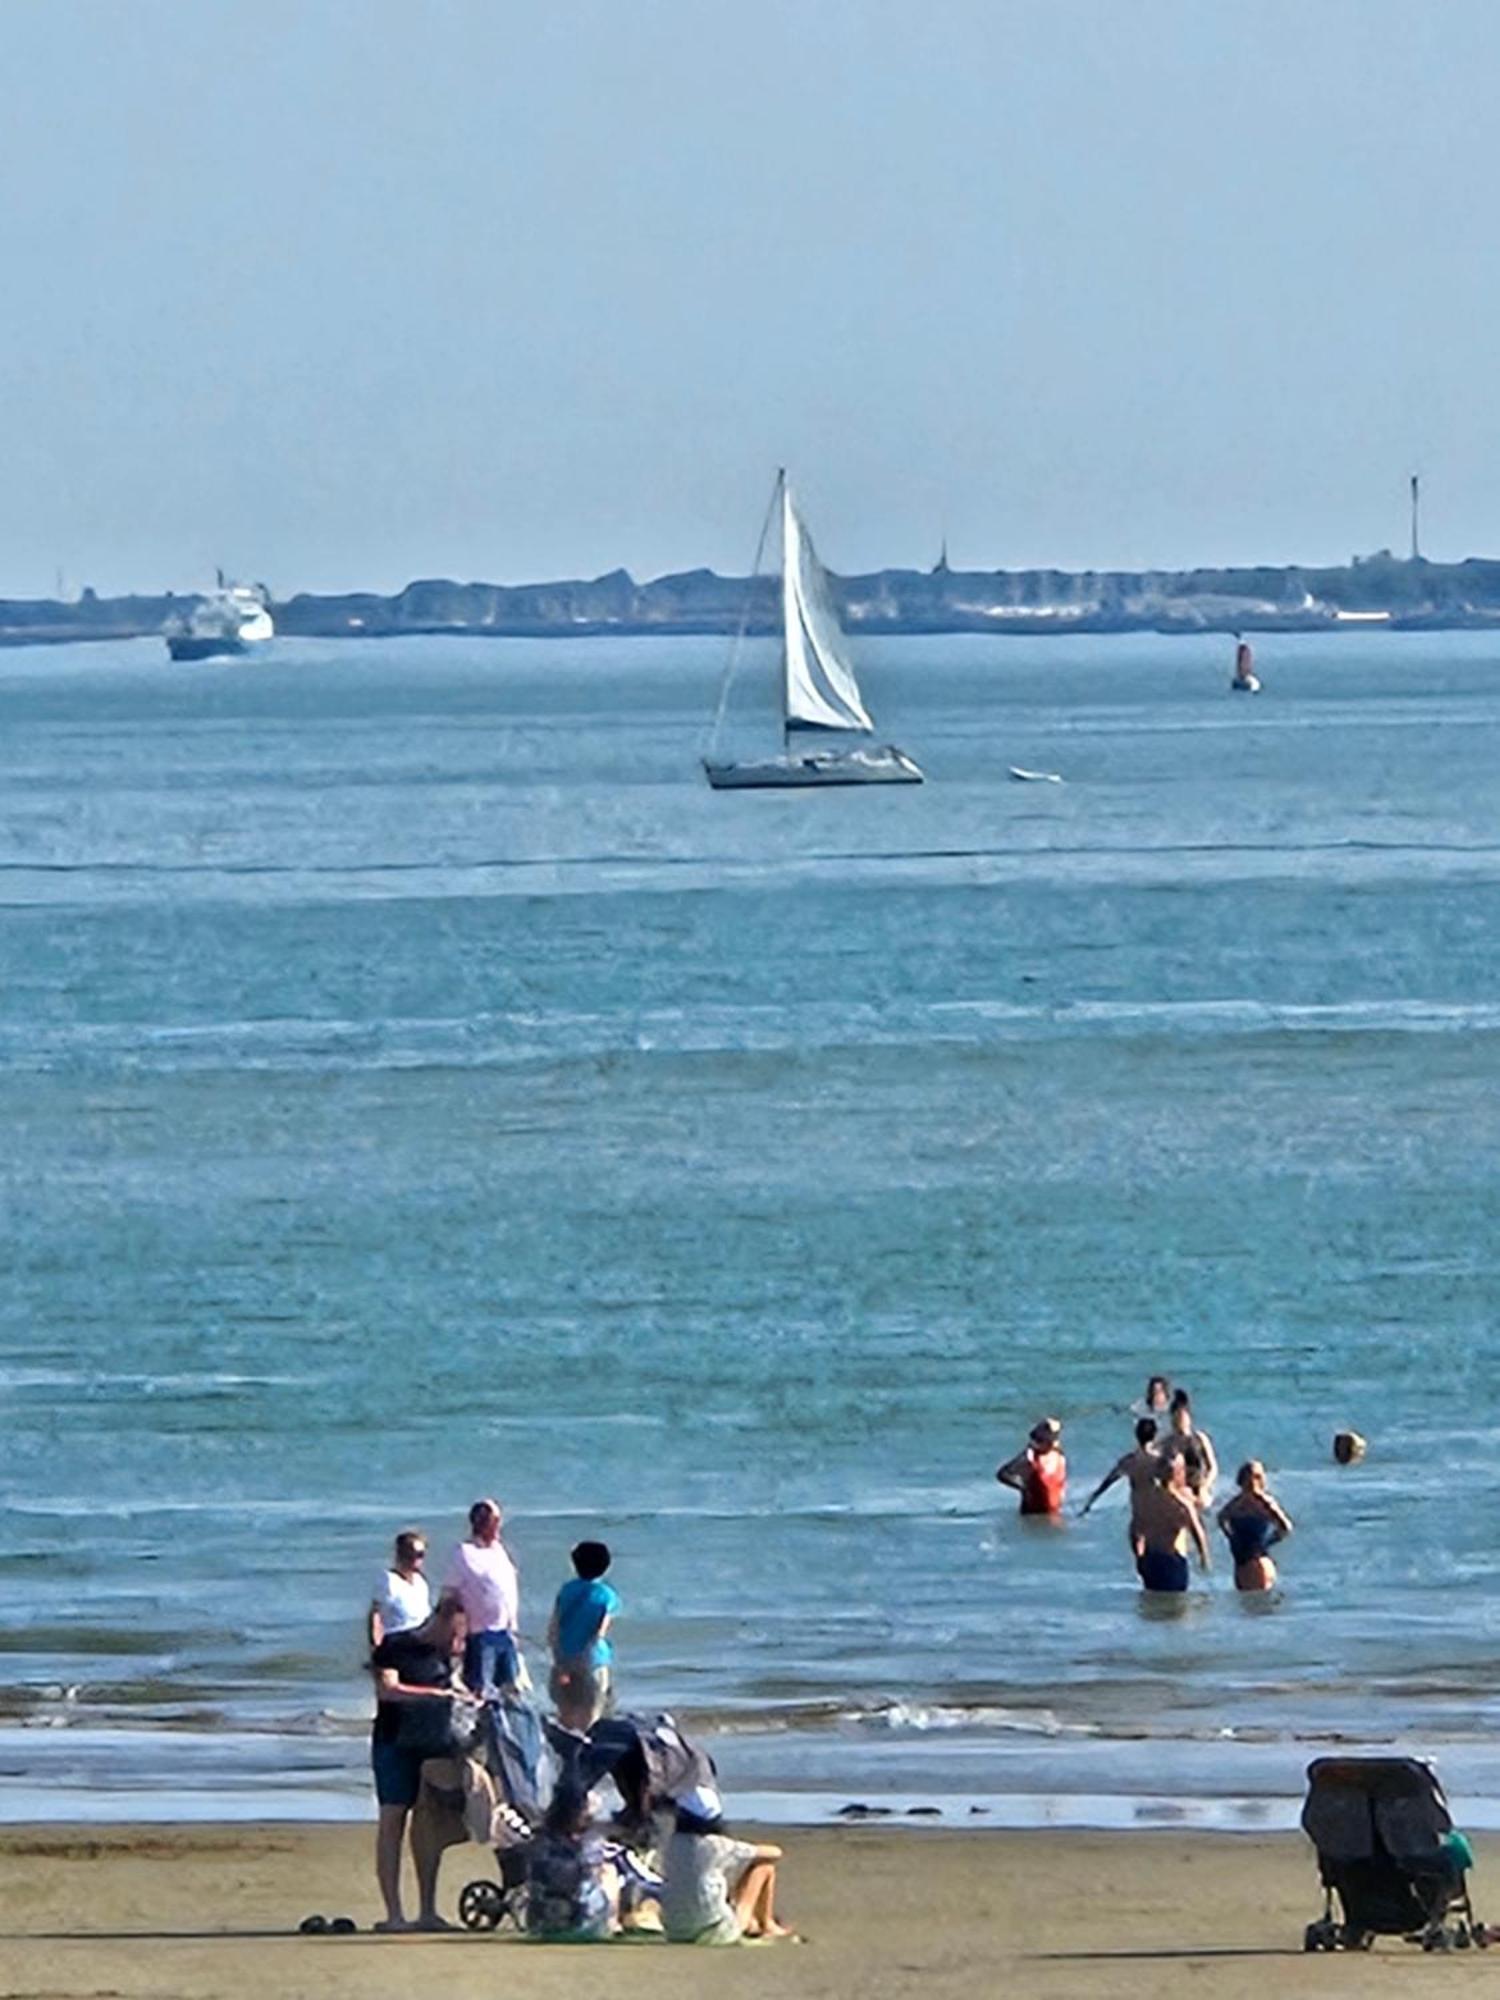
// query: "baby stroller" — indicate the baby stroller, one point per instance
point(648, 1762)
point(1388, 1850)
point(512, 1746)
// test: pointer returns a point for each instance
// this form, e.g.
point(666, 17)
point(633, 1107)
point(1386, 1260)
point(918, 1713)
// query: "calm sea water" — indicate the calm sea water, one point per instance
point(415, 1083)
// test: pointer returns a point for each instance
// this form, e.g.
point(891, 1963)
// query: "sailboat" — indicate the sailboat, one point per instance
point(820, 697)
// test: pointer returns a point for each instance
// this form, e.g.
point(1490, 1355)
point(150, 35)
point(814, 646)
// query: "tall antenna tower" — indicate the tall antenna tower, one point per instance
point(1416, 508)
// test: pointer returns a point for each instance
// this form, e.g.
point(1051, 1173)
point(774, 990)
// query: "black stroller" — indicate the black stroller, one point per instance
point(649, 1761)
point(1388, 1850)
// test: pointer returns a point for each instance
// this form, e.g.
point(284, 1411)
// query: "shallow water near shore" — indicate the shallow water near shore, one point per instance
point(417, 1083)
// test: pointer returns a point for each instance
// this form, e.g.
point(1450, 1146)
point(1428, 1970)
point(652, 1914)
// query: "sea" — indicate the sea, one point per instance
point(416, 1084)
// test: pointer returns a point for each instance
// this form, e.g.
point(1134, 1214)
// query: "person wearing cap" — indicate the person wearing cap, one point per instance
point(1039, 1473)
point(715, 1890)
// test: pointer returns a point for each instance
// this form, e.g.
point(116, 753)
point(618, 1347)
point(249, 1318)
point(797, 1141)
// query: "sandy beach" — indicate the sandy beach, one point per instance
point(202, 1912)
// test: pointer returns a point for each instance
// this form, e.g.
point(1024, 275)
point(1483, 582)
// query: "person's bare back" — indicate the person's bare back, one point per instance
point(1167, 1519)
point(1163, 1519)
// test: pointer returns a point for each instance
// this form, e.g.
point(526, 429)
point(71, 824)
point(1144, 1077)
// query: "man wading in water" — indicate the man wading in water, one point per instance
point(1140, 1467)
point(1166, 1520)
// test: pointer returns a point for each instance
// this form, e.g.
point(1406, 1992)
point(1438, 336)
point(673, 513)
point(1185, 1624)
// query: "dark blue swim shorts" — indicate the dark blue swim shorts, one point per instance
point(398, 1773)
point(1160, 1569)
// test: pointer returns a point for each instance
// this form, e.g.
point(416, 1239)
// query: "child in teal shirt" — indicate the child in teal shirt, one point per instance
point(582, 1656)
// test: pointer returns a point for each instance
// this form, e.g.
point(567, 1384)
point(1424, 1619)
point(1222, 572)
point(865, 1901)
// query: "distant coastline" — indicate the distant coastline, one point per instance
point(1378, 590)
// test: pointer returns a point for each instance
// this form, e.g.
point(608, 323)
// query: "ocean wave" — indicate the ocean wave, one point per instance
point(1350, 861)
point(503, 1040)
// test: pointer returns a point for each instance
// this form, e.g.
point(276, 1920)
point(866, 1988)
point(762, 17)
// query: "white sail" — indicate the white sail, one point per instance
point(821, 691)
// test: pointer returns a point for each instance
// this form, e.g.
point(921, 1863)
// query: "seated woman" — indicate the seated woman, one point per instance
point(570, 1893)
point(1253, 1522)
point(716, 1890)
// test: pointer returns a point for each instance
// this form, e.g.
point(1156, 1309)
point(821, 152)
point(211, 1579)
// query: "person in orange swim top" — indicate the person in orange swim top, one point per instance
point(1040, 1472)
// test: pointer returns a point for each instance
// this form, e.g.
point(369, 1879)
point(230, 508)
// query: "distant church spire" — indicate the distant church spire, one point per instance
point(940, 567)
point(1416, 508)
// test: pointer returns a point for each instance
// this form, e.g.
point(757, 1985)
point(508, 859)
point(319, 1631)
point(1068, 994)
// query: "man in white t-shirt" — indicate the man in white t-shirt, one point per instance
point(402, 1598)
point(482, 1577)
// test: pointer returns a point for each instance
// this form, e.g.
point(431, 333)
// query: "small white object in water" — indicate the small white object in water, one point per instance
point(1035, 777)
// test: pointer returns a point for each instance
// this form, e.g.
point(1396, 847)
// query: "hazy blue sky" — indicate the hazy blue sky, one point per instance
point(343, 292)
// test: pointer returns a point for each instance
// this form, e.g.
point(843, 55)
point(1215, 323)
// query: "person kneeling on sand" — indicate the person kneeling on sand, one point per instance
point(716, 1890)
point(1253, 1522)
point(1166, 1521)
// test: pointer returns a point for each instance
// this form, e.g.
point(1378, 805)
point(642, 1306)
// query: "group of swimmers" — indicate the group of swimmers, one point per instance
point(1171, 1471)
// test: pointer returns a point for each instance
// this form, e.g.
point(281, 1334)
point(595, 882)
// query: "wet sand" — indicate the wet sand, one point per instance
point(210, 1913)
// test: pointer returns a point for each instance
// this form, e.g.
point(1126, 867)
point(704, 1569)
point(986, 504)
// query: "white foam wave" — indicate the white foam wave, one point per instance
point(502, 1040)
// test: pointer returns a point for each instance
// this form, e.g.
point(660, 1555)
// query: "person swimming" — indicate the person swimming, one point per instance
point(1166, 1521)
point(1157, 1401)
point(1039, 1473)
point(1253, 1522)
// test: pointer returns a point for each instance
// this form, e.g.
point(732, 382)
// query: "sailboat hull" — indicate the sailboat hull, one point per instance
point(885, 766)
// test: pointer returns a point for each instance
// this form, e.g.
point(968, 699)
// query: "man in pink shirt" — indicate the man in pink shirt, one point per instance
point(482, 1578)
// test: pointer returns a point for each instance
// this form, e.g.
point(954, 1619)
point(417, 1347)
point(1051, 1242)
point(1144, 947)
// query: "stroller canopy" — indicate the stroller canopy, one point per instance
point(652, 1763)
point(1358, 1805)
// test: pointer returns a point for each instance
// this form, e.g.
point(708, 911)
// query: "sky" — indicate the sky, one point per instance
point(337, 293)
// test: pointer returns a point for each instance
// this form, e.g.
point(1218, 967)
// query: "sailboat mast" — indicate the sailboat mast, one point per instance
point(788, 606)
point(727, 679)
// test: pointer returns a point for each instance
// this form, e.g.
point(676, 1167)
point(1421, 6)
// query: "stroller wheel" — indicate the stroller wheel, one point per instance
point(481, 1906)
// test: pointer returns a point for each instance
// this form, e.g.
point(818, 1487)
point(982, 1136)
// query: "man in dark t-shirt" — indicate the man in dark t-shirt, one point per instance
point(417, 1667)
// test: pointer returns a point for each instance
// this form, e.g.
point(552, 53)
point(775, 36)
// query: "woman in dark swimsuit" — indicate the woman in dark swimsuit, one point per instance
point(1194, 1447)
point(1253, 1523)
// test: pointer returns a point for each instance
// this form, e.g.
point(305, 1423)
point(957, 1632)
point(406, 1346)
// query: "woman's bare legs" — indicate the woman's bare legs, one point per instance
point(390, 1831)
point(1257, 1574)
point(755, 1899)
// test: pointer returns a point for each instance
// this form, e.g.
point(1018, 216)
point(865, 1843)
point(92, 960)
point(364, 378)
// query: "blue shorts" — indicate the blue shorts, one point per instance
point(1162, 1569)
point(491, 1661)
point(398, 1773)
